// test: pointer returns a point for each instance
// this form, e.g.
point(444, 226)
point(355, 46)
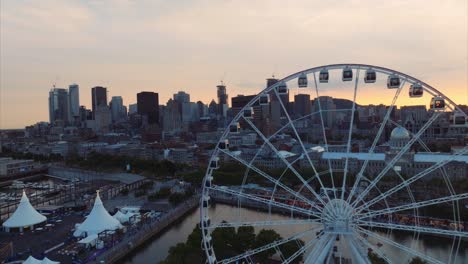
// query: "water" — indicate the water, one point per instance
point(156, 250)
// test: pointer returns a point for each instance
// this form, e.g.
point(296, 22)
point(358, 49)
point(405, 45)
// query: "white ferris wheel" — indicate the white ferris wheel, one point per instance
point(343, 194)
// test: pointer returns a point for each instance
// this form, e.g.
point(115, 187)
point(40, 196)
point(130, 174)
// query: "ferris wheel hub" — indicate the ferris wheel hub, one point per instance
point(338, 217)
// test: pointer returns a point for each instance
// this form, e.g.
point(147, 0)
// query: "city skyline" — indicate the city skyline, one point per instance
point(182, 49)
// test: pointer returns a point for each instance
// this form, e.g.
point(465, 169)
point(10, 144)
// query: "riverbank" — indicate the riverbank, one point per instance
point(145, 233)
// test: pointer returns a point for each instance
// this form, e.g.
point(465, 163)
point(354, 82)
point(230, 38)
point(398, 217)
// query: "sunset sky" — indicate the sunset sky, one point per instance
point(167, 46)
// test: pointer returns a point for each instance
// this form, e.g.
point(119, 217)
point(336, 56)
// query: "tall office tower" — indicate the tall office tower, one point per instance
point(326, 103)
point(98, 97)
point(58, 106)
point(302, 105)
point(202, 109)
point(103, 119)
point(182, 101)
point(132, 109)
point(213, 109)
point(74, 103)
point(238, 102)
point(118, 110)
point(222, 100)
point(148, 105)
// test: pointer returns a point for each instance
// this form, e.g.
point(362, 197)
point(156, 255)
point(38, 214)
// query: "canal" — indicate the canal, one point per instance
point(157, 249)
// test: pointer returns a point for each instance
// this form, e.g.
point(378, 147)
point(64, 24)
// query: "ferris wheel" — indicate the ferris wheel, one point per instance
point(339, 180)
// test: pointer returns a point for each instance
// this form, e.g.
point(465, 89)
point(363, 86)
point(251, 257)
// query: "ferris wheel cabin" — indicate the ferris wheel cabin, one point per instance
point(437, 103)
point(323, 76)
point(302, 81)
point(347, 74)
point(234, 128)
point(248, 113)
point(393, 81)
point(264, 99)
point(459, 119)
point(282, 88)
point(416, 90)
point(370, 77)
point(224, 144)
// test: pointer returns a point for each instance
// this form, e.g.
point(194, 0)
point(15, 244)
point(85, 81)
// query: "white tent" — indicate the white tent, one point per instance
point(24, 216)
point(121, 217)
point(32, 260)
point(48, 261)
point(97, 221)
point(89, 240)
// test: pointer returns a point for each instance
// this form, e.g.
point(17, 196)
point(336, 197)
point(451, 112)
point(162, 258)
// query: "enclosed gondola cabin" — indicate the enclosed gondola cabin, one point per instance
point(214, 164)
point(206, 201)
point(393, 81)
point(234, 128)
point(459, 119)
point(282, 88)
point(437, 103)
point(264, 99)
point(371, 76)
point(248, 112)
point(323, 76)
point(224, 144)
point(416, 90)
point(302, 81)
point(347, 74)
point(208, 181)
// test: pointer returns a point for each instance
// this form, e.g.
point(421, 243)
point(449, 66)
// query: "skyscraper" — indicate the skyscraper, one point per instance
point(222, 100)
point(58, 106)
point(98, 97)
point(148, 105)
point(302, 105)
point(118, 110)
point(238, 102)
point(74, 101)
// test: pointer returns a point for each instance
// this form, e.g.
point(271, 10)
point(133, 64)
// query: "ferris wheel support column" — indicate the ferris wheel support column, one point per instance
point(357, 253)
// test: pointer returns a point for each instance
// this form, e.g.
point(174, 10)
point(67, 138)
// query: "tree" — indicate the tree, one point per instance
point(375, 259)
point(291, 247)
point(263, 238)
point(418, 260)
point(244, 239)
point(222, 242)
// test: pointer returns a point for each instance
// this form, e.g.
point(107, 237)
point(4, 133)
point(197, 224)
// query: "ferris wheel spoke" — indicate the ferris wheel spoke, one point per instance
point(411, 180)
point(350, 135)
point(396, 158)
point(288, 164)
point(321, 249)
point(357, 252)
point(376, 140)
point(257, 199)
point(274, 244)
point(411, 228)
point(271, 179)
point(325, 140)
point(404, 207)
point(265, 223)
point(306, 153)
point(374, 248)
point(299, 252)
point(400, 246)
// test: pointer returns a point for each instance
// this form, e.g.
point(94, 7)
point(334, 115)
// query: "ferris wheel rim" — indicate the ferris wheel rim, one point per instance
point(313, 70)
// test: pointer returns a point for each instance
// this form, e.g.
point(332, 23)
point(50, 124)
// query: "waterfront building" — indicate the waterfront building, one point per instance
point(10, 166)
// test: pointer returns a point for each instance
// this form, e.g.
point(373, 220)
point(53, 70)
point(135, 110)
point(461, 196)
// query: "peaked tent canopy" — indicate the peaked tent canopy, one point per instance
point(48, 261)
point(97, 221)
point(25, 215)
point(121, 217)
point(32, 260)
